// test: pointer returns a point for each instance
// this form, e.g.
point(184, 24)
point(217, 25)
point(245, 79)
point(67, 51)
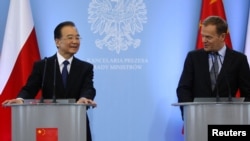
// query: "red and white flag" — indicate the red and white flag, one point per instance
point(19, 51)
point(247, 46)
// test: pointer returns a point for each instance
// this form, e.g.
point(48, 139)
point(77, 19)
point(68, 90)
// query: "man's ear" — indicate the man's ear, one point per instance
point(58, 42)
point(223, 36)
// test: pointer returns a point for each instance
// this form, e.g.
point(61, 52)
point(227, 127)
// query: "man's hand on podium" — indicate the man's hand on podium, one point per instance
point(86, 101)
point(13, 101)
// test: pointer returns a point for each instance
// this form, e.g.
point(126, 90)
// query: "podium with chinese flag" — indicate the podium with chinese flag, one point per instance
point(61, 121)
point(46, 134)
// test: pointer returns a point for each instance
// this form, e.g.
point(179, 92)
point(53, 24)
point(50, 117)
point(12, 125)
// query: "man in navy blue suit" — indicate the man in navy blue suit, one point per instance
point(79, 83)
point(233, 70)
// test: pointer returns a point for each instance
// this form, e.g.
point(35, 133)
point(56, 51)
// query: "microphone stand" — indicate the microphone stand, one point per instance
point(54, 84)
point(229, 88)
point(44, 73)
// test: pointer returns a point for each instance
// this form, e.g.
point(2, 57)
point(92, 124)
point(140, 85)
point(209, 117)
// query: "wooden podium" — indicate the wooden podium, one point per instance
point(198, 115)
point(61, 121)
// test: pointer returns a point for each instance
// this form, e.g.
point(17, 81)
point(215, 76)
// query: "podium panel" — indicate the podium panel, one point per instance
point(68, 120)
point(198, 115)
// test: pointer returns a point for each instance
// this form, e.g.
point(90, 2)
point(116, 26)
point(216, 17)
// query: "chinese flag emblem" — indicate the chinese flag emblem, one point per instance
point(46, 134)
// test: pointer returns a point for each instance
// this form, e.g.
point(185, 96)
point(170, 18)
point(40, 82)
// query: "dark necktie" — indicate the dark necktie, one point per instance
point(214, 70)
point(65, 72)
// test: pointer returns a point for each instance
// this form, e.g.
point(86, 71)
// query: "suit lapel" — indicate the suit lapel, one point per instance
point(73, 75)
point(205, 67)
point(225, 65)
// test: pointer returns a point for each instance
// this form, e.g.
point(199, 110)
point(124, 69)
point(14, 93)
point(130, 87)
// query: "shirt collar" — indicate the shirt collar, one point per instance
point(60, 58)
point(222, 51)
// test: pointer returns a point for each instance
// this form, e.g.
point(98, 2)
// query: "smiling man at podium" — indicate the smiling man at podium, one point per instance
point(59, 80)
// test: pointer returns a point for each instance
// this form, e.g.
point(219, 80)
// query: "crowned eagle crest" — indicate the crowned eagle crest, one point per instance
point(117, 21)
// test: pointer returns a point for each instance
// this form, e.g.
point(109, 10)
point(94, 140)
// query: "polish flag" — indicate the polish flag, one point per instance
point(19, 51)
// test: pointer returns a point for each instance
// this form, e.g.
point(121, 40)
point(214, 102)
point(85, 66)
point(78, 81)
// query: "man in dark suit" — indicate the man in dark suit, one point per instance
point(47, 72)
point(233, 71)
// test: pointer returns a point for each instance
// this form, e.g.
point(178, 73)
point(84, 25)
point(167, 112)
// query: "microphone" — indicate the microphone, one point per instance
point(44, 73)
point(54, 83)
point(227, 82)
point(215, 75)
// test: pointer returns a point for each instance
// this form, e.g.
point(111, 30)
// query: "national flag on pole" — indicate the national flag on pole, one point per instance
point(209, 8)
point(247, 46)
point(19, 51)
point(46, 134)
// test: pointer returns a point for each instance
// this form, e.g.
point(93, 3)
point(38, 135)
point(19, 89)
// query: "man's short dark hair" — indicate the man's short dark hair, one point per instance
point(57, 31)
point(220, 23)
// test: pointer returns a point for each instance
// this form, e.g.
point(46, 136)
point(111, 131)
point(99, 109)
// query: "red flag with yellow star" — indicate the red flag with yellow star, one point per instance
point(209, 8)
point(46, 134)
